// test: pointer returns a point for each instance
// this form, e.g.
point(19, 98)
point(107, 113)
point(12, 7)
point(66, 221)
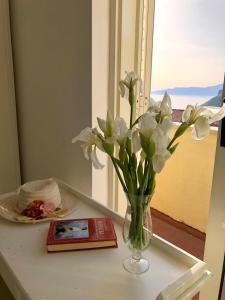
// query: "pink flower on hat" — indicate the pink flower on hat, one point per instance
point(47, 208)
point(33, 209)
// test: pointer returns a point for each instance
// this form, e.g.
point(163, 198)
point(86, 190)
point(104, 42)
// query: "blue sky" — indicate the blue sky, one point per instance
point(189, 43)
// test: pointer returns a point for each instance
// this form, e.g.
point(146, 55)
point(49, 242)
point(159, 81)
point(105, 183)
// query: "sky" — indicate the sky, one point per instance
point(189, 43)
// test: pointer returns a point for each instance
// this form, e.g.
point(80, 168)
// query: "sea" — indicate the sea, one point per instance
point(181, 101)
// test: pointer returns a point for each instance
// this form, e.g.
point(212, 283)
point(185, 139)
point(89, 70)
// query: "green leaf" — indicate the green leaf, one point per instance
point(145, 183)
point(119, 163)
point(172, 149)
point(127, 177)
point(108, 148)
point(140, 173)
point(122, 154)
point(131, 97)
point(147, 145)
point(180, 130)
point(151, 183)
point(128, 147)
point(134, 161)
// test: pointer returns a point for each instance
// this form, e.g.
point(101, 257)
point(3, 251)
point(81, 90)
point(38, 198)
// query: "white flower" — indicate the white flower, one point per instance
point(147, 124)
point(102, 124)
point(123, 91)
point(90, 139)
point(165, 106)
point(106, 125)
point(131, 76)
point(129, 81)
point(201, 128)
point(86, 135)
point(119, 130)
point(159, 159)
point(186, 116)
point(161, 154)
point(95, 160)
point(154, 106)
point(191, 113)
point(136, 143)
point(160, 140)
point(201, 118)
point(166, 125)
point(215, 117)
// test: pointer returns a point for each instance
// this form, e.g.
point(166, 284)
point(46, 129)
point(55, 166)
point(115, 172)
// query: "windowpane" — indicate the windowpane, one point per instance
point(189, 52)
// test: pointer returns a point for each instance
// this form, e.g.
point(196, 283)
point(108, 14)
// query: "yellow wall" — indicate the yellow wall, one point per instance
point(183, 187)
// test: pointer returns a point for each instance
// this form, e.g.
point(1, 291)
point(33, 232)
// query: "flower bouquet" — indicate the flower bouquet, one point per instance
point(139, 152)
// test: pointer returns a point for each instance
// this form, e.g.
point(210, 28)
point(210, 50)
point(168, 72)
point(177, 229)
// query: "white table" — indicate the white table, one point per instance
point(32, 273)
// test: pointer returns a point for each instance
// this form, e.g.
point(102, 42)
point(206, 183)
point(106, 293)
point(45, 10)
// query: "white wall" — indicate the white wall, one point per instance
point(9, 153)
point(100, 65)
point(52, 59)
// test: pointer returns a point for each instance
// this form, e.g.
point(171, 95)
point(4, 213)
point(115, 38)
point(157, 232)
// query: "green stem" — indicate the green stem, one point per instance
point(171, 142)
point(179, 132)
point(118, 173)
point(137, 120)
point(131, 115)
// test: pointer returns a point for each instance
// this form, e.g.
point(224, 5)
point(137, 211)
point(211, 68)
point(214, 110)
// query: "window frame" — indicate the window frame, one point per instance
point(131, 27)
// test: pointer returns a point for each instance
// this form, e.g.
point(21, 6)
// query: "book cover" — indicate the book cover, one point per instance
point(78, 234)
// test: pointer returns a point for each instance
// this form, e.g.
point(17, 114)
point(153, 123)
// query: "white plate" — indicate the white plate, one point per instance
point(8, 210)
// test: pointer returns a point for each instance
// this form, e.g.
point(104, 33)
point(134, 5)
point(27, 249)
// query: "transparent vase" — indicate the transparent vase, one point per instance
point(137, 232)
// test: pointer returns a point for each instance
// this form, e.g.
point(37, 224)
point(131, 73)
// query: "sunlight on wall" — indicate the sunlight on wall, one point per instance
point(183, 187)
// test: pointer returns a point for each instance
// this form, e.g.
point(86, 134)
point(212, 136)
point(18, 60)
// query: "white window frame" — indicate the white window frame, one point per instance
point(130, 48)
point(215, 235)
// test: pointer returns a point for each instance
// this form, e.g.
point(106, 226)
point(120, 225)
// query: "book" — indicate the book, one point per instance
point(79, 234)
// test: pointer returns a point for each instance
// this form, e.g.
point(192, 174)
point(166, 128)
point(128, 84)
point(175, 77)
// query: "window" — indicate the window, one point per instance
point(189, 53)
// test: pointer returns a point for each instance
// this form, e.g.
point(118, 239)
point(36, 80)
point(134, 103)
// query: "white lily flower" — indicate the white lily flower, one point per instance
point(161, 155)
point(90, 139)
point(136, 143)
point(215, 117)
point(154, 103)
point(123, 91)
point(86, 135)
point(186, 116)
point(95, 160)
point(154, 106)
point(131, 79)
point(120, 130)
point(102, 125)
point(165, 106)
point(191, 113)
point(147, 124)
point(201, 128)
point(201, 117)
point(166, 125)
point(160, 140)
point(159, 159)
point(106, 125)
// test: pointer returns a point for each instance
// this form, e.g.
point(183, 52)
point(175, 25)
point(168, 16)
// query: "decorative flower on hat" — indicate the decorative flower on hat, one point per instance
point(38, 209)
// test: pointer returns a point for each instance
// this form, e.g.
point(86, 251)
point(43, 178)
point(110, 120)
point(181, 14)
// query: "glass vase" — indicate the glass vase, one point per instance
point(137, 232)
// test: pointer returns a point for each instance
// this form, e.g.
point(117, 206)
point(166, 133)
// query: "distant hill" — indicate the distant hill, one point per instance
point(215, 101)
point(191, 91)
